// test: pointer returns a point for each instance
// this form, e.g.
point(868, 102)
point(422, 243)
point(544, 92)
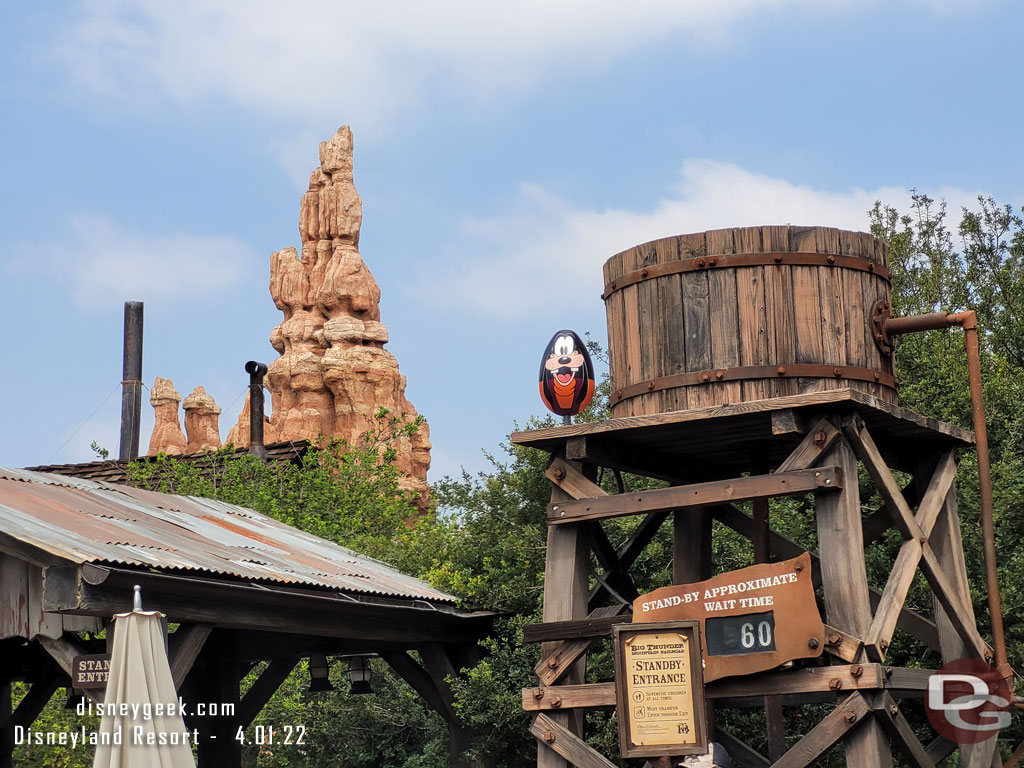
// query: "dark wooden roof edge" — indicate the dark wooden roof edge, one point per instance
point(103, 591)
point(112, 469)
point(552, 436)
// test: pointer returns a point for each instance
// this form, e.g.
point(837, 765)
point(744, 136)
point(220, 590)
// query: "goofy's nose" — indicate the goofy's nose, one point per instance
point(564, 360)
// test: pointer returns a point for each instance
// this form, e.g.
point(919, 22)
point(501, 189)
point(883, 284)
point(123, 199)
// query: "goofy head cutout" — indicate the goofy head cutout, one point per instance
point(566, 375)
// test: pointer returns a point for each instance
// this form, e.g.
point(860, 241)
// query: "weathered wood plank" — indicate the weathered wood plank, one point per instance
point(697, 319)
point(836, 724)
point(742, 754)
point(725, 340)
point(842, 678)
point(598, 623)
point(259, 692)
point(916, 530)
point(572, 481)
point(845, 586)
point(823, 479)
point(888, 714)
point(554, 737)
point(184, 646)
point(566, 574)
point(818, 440)
point(947, 543)
point(842, 645)
point(538, 437)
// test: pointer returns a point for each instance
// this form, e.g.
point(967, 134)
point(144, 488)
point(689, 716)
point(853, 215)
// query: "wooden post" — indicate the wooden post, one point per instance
point(565, 598)
point(844, 582)
point(775, 725)
point(218, 747)
point(948, 545)
point(6, 727)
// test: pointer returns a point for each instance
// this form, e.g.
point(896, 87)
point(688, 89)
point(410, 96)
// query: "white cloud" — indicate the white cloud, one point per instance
point(326, 57)
point(100, 259)
point(504, 263)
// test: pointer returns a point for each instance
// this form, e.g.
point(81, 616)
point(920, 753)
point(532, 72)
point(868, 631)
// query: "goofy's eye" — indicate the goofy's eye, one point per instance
point(564, 345)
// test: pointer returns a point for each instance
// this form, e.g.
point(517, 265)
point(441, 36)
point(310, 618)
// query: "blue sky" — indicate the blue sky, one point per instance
point(157, 151)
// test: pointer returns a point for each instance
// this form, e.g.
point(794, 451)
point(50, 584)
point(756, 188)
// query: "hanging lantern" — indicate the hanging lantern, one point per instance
point(359, 673)
point(566, 375)
point(319, 671)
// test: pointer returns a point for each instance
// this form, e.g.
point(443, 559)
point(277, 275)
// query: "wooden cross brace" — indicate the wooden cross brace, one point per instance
point(915, 551)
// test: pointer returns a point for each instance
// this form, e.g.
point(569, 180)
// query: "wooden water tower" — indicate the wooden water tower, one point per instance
point(748, 364)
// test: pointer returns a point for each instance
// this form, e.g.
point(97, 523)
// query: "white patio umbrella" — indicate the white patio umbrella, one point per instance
point(142, 725)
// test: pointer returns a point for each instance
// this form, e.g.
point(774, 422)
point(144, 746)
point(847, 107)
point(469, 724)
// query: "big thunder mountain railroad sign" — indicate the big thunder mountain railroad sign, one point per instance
point(751, 620)
point(660, 691)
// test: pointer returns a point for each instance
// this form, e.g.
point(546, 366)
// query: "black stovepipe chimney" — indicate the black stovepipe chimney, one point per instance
point(256, 372)
point(131, 381)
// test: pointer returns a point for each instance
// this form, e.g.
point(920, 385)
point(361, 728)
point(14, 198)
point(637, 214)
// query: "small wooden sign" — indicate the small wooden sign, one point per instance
point(751, 620)
point(659, 688)
point(90, 671)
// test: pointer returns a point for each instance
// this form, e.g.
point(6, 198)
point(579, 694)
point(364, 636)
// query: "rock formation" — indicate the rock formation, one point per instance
point(333, 374)
point(167, 436)
point(201, 421)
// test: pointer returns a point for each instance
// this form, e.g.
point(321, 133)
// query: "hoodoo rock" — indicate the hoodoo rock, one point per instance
point(167, 436)
point(202, 415)
point(333, 374)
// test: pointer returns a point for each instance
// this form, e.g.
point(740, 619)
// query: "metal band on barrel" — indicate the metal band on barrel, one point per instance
point(781, 258)
point(717, 375)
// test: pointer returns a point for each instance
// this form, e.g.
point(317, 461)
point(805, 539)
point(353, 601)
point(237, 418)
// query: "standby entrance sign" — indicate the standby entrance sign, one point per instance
point(751, 620)
point(659, 689)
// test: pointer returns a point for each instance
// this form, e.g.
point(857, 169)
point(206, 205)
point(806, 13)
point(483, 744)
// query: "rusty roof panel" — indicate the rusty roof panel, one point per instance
point(86, 521)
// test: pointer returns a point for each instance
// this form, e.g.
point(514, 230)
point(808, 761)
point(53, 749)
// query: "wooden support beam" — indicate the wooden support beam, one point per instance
point(696, 495)
point(263, 688)
point(558, 658)
point(566, 591)
point(888, 713)
point(416, 676)
point(598, 623)
point(845, 586)
point(184, 646)
point(553, 736)
point(940, 748)
point(810, 450)
point(842, 645)
point(790, 682)
point(63, 650)
point(628, 552)
point(947, 544)
point(915, 530)
point(572, 481)
point(841, 721)
point(615, 579)
point(742, 754)
point(909, 621)
point(6, 726)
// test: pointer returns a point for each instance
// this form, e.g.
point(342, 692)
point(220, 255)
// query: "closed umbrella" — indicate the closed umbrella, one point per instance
point(142, 725)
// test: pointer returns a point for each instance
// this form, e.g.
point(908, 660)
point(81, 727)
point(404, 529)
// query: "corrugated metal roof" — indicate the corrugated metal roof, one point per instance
point(86, 521)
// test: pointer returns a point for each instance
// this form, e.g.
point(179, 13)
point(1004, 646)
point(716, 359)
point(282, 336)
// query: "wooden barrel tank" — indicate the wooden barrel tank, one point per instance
point(734, 315)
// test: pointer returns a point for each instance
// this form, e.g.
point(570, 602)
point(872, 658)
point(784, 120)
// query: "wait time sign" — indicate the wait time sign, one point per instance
point(751, 620)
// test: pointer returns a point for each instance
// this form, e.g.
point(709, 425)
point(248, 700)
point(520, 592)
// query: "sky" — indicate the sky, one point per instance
point(157, 151)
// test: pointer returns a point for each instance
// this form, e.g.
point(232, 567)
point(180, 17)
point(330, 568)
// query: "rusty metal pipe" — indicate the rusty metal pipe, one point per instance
point(969, 322)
